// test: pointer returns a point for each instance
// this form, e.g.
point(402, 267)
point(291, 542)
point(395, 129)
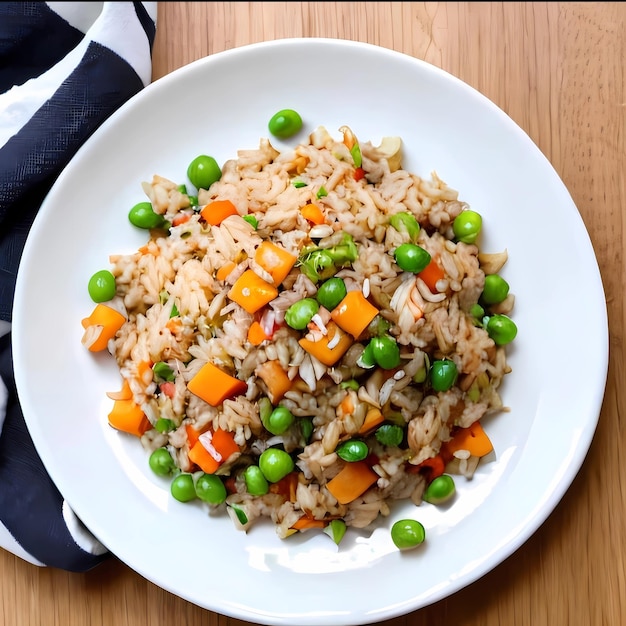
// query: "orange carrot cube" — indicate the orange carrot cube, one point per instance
point(331, 347)
point(252, 292)
point(213, 385)
point(275, 260)
point(354, 313)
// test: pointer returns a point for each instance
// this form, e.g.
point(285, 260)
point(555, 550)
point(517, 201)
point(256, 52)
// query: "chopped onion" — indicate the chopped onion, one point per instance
point(205, 439)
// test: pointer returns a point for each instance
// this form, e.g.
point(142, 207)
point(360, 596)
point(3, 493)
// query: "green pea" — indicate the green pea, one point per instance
point(142, 215)
point(161, 462)
point(467, 226)
point(285, 123)
point(210, 488)
point(251, 220)
point(495, 290)
point(300, 313)
point(164, 425)
point(386, 352)
point(331, 292)
point(443, 374)
point(367, 360)
point(256, 483)
point(275, 464)
point(440, 490)
point(101, 286)
point(406, 223)
point(407, 534)
point(203, 171)
point(390, 434)
point(378, 326)
point(411, 257)
point(501, 329)
point(182, 488)
point(279, 420)
point(477, 311)
point(352, 450)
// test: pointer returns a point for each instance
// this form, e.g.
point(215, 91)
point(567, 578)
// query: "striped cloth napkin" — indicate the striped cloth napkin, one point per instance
point(65, 67)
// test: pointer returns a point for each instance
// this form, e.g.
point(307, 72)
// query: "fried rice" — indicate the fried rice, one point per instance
point(175, 294)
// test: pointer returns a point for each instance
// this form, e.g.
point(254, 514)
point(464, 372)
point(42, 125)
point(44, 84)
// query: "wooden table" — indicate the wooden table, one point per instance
point(557, 68)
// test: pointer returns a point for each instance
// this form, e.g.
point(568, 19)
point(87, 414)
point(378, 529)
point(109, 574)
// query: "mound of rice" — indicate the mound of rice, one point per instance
point(178, 310)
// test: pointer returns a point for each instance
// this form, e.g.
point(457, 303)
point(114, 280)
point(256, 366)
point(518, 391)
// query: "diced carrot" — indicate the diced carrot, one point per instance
point(275, 378)
point(431, 468)
point(359, 173)
point(256, 334)
point(223, 272)
point(213, 385)
point(431, 274)
point(174, 325)
point(149, 248)
point(313, 214)
point(373, 418)
point(354, 313)
point(109, 319)
point(201, 457)
point(473, 438)
point(252, 292)
point(305, 523)
point(222, 447)
point(224, 442)
point(275, 260)
point(142, 368)
point(181, 218)
point(218, 210)
point(193, 434)
point(286, 486)
point(436, 465)
point(353, 480)
point(128, 416)
point(347, 405)
point(331, 347)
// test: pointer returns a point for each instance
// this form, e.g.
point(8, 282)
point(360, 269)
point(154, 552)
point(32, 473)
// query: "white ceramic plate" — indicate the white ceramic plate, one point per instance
point(218, 105)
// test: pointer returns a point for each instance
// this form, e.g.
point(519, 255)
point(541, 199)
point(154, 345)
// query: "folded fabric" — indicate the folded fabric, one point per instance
point(64, 69)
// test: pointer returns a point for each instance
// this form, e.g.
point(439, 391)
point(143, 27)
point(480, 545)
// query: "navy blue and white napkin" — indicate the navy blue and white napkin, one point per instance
point(64, 69)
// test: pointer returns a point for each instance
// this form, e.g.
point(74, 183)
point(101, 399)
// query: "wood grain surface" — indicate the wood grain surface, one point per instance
point(557, 69)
